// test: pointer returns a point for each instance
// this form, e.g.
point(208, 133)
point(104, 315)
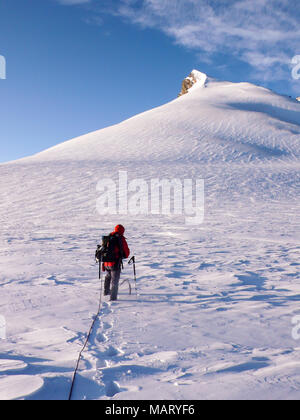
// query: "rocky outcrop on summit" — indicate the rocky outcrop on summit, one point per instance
point(196, 77)
point(187, 84)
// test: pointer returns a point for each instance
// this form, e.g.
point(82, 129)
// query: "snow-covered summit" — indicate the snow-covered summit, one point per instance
point(195, 78)
point(199, 76)
point(217, 121)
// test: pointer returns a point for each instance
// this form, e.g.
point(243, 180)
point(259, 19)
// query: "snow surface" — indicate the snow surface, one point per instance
point(215, 306)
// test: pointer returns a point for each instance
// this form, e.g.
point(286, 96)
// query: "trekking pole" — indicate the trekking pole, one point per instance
point(132, 261)
point(98, 258)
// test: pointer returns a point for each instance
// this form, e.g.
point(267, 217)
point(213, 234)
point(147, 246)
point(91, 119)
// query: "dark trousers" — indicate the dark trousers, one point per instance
point(111, 283)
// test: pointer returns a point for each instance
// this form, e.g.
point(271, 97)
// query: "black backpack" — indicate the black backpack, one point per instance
point(106, 252)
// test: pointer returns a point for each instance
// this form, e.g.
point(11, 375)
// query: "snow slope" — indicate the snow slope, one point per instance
point(216, 301)
point(215, 122)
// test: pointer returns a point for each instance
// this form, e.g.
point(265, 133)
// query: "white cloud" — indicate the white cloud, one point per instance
point(263, 33)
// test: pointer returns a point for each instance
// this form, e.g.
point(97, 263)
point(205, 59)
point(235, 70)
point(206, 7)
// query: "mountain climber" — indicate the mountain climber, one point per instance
point(113, 269)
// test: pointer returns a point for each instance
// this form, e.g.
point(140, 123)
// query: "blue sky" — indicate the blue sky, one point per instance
point(75, 66)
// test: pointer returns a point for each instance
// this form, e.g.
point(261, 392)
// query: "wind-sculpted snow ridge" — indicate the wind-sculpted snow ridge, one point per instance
point(215, 122)
point(217, 313)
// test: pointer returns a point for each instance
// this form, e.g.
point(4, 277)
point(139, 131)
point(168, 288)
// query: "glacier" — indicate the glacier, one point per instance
point(217, 310)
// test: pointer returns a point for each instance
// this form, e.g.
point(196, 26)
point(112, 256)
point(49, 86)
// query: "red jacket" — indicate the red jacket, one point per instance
point(126, 251)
